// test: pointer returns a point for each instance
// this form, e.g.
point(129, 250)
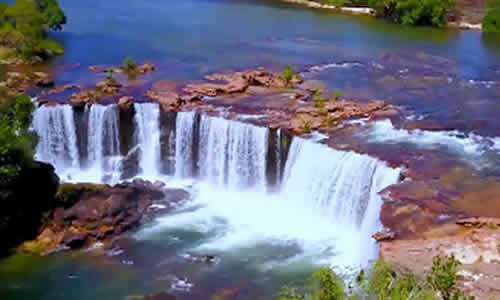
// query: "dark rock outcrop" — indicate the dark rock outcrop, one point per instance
point(87, 213)
point(24, 203)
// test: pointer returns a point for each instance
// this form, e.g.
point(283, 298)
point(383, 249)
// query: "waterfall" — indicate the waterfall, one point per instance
point(147, 121)
point(104, 157)
point(185, 125)
point(232, 154)
point(340, 187)
point(57, 144)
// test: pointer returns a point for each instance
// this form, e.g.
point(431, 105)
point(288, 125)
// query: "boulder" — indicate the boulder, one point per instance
point(145, 68)
point(126, 102)
point(84, 97)
point(384, 236)
point(109, 86)
point(169, 101)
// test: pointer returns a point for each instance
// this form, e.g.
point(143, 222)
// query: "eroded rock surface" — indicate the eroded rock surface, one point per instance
point(88, 213)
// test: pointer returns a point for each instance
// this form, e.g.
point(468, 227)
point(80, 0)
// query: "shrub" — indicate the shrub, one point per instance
point(129, 64)
point(337, 95)
point(16, 140)
point(326, 285)
point(289, 75)
point(414, 12)
point(443, 277)
point(23, 27)
point(318, 100)
point(491, 22)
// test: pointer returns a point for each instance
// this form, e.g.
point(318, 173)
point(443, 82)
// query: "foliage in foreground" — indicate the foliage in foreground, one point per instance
point(16, 140)
point(491, 22)
point(24, 24)
point(383, 283)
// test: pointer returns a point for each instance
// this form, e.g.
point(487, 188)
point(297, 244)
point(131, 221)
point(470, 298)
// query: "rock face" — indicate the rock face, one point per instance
point(24, 203)
point(87, 213)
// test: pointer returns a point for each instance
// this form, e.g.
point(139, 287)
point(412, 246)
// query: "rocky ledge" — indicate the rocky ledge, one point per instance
point(476, 246)
point(90, 213)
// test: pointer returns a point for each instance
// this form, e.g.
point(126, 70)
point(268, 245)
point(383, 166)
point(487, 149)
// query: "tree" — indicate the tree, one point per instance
point(24, 24)
point(491, 22)
point(16, 140)
point(414, 12)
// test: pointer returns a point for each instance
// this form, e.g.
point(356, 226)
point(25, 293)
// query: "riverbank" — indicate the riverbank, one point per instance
point(461, 24)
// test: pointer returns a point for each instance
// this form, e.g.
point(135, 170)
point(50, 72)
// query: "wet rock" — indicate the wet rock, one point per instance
point(88, 213)
point(63, 88)
point(108, 86)
point(231, 83)
point(145, 68)
point(126, 102)
point(169, 101)
point(384, 236)
point(83, 98)
point(227, 294)
point(97, 68)
point(43, 80)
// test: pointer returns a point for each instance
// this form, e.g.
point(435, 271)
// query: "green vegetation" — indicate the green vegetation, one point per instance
point(289, 75)
point(491, 22)
point(129, 64)
point(24, 25)
point(16, 141)
point(414, 12)
point(318, 100)
point(337, 95)
point(383, 283)
point(408, 12)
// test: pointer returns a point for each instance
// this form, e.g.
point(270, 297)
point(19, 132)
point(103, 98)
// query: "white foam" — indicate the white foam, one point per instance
point(472, 147)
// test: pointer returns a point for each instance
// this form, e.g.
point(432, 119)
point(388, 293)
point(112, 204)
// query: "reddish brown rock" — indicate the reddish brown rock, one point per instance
point(84, 97)
point(168, 101)
point(93, 212)
point(63, 88)
point(109, 86)
point(384, 236)
point(477, 250)
point(126, 102)
point(145, 68)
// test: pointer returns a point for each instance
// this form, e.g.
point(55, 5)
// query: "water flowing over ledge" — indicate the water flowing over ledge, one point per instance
point(267, 186)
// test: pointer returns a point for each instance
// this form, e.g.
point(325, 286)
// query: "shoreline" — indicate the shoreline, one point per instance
point(371, 12)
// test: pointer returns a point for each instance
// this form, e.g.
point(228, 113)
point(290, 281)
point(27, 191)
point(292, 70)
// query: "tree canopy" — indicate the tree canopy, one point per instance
point(24, 25)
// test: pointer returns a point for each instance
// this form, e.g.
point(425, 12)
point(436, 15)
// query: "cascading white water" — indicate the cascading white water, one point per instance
point(57, 145)
point(147, 121)
point(341, 188)
point(232, 154)
point(184, 139)
point(103, 148)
